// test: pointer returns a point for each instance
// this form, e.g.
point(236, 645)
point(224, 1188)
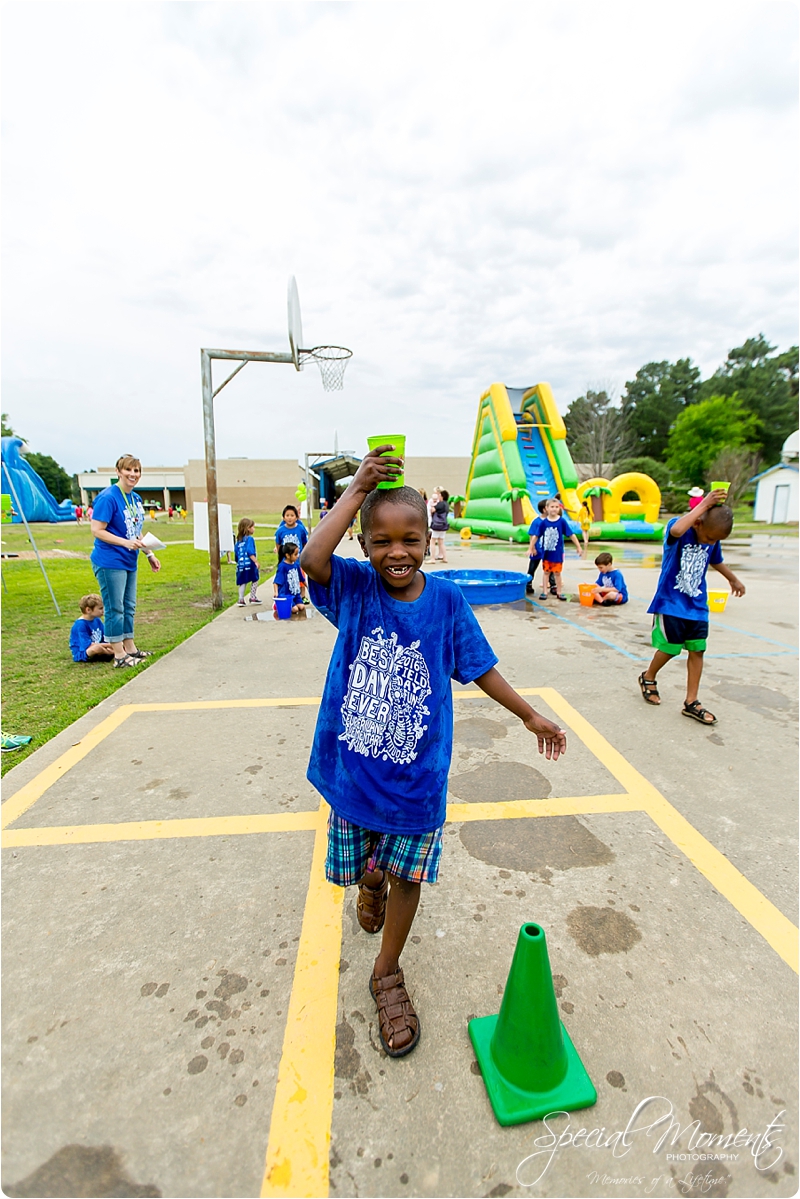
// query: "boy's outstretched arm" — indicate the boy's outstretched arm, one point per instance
point(552, 740)
point(685, 522)
point(316, 557)
point(737, 586)
point(578, 545)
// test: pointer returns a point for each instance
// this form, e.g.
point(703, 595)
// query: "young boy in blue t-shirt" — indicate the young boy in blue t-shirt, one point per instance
point(680, 604)
point(289, 578)
point(548, 541)
point(534, 556)
point(86, 637)
point(383, 740)
point(610, 586)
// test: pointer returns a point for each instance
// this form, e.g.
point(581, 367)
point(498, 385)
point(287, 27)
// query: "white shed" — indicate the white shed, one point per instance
point(778, 488)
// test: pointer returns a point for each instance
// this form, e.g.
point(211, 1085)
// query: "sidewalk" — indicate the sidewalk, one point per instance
point(169, 942)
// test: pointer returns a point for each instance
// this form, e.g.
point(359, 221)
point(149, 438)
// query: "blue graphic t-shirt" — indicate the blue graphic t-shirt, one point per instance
point(551, 538)
point(297, 535)
point(243, 551)
point(681, 588)
point(384, 735)
point(533, 531)
point(83, 634)
point(613, 578)
point(123, 515)
point(288, 578)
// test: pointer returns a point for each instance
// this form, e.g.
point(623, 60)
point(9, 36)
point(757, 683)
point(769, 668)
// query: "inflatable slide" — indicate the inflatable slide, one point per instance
point(37, 502)
point(520, 456)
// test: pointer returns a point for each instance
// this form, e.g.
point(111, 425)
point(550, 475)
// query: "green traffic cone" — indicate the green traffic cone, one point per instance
point(529, 1064)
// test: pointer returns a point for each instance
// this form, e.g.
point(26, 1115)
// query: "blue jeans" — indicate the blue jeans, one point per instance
point(118, 590)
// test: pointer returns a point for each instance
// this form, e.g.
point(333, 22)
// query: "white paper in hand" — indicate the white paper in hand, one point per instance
point(152, 542)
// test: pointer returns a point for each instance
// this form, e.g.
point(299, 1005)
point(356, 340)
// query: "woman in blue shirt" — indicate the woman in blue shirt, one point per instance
point(117, 519)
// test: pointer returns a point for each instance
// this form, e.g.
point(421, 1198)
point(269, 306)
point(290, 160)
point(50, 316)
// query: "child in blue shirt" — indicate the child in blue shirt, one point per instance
point(289, 578)
point(610, 586)
point(383, 740)
point(549, 542)
point(680, 604)
point(246, 561)
point(291, 531)
point(534, 557)
point(86, 637)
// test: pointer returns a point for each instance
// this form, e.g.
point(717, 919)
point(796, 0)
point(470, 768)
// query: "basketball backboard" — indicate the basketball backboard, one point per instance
point(295, 323)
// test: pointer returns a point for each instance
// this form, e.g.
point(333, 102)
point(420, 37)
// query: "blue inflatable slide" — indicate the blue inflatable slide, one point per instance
point(38, 504)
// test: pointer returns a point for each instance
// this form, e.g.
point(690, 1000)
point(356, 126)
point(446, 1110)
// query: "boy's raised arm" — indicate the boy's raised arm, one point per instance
point(316, 557)
point(685, 522)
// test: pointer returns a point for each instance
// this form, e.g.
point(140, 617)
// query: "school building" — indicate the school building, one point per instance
point(263, 485)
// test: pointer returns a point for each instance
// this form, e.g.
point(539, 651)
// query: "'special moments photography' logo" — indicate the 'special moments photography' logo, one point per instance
point(653, 1120)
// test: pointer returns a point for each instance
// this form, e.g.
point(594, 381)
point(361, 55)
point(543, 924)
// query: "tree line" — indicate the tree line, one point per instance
point(682, 429)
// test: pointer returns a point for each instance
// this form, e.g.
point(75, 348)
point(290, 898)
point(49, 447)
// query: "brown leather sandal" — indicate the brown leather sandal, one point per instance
point(398, 1023)
point(371, 905)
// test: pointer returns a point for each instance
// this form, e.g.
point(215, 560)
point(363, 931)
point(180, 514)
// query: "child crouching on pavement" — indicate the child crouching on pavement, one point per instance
point(680, 604)
point(289, 578)
point(383, 740)
point(610, 586)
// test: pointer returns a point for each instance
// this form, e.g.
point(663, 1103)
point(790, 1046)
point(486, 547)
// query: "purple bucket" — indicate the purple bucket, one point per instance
point(283, 606)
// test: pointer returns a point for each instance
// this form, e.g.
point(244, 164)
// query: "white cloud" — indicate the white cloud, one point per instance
point(531, 192)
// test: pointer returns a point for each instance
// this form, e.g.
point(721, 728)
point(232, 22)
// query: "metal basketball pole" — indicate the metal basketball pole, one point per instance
point(206, 356)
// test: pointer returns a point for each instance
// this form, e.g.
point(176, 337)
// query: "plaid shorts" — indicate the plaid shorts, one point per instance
point(352, 850)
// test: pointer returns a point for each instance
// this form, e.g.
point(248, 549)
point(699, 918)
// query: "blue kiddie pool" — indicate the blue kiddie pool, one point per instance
point(487, 586)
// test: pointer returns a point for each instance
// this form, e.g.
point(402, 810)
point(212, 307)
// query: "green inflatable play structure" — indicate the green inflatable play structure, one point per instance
point(520, 456)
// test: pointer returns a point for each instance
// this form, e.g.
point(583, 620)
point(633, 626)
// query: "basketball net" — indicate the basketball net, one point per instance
point(331, 361)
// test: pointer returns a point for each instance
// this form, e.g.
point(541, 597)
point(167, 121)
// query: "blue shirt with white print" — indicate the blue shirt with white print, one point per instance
point(296, 535)
point(288, 578)
point(681, 588)
point(123, 515)
point(83, 634)
point(384, 734)
point(550, 539)
point(613, 578)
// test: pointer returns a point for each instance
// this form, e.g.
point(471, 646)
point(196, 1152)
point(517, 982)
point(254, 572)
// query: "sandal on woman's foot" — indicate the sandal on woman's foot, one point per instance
point(140, 654)
point(125, 660)
point(398, 1023)
point(371, 905)
point(695, 712)
point(649, 690)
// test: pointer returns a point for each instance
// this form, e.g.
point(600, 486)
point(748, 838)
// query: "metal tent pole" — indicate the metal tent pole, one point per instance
point(15, 498)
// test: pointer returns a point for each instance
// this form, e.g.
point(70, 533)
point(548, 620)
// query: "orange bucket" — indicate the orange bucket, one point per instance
point(586, 594)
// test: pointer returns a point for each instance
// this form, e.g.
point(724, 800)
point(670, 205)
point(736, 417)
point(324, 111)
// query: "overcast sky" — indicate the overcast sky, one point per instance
point(466, 194)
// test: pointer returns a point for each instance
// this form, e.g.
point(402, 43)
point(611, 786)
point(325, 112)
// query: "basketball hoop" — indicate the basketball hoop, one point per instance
point(331, 361)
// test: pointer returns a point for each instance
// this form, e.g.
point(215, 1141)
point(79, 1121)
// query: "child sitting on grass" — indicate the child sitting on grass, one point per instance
point(383, 740)
point(610, 586)
point(86, 637)
point(289, 578)
point(549, 542)
point(680, 604)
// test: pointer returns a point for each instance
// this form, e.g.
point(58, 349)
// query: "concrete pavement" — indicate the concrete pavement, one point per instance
point(178, 980)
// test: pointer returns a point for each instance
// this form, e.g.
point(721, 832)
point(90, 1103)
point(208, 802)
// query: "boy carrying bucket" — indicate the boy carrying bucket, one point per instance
point(383, 740)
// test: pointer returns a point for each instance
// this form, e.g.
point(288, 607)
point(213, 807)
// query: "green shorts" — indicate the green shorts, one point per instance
point(671, 634)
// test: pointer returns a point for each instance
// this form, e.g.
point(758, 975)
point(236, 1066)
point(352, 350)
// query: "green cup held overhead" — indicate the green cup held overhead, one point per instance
point(398, 443)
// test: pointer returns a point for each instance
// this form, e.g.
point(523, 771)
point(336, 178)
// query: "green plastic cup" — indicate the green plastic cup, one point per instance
point(398, 442)
point(720, 486)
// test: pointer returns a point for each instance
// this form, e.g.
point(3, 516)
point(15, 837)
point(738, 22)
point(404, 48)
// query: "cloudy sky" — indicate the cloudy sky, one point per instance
point(523, 192)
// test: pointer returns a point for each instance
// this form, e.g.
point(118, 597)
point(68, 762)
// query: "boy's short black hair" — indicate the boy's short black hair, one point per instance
point(718, 521)
point(290, 508)
point(541, 506)
point(603, 559)
point(393, 495)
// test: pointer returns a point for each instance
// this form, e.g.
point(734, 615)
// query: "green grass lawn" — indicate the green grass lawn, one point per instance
point(43, 689)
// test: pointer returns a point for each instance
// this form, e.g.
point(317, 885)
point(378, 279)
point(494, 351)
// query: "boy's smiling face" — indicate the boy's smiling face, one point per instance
point(553, 510)
point(395, 544)
point(290, 518)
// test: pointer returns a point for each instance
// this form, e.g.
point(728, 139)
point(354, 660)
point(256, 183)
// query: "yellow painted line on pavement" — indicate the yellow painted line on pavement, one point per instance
point(155, 830)
point(300, 1129)
point(518, 809)
point(768, 920)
